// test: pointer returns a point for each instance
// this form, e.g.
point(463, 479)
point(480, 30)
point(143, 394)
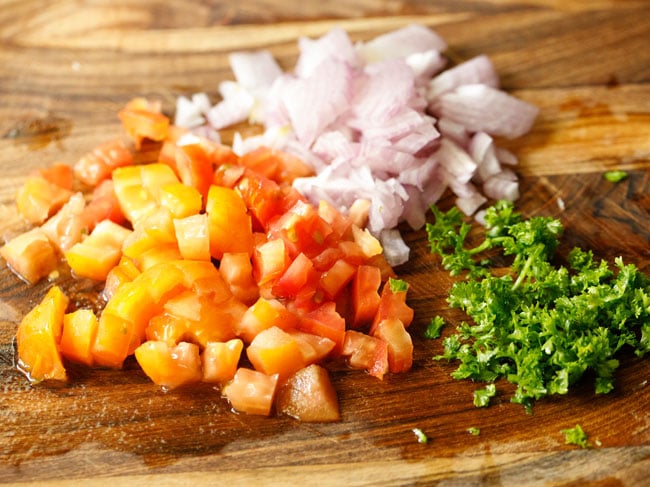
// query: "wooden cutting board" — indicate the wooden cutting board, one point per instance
point(66, 68)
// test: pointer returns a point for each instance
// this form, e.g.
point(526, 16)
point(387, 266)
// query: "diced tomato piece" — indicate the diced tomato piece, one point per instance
point(38, 199)
point(139, 188)
point(229, 223)
point(325, 321)
point(124, 271)
point(228, 175)
point(161, 281)
point(309, 396)
point(365, 295)
point(98, 164)
point(58, 173)
point(366, 352)
point(302, 229)
point(340, 223)
point(274, 351)
point(237, 270)
point(193, 236)
point(205, 321)
point(270, 260)
point(38, 336)
point(170, 366)
point(314, 348)
point(204, 279)
point(294, 279)
point(30, 255)
point(392, 304)
point(181, 200)
point(337, 277)
point(264, 198)
point(166, 328)
point(194, 167)
point(221, 360)
point(157, 255)
point(142, 120)
point(276, 165)
point(400, 345)
point(251, 392)
point(103, 205)
point(264, 314)
point(98, 253)
point(79, 328)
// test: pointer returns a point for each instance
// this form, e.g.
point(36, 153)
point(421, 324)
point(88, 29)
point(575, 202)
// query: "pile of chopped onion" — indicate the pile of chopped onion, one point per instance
point(382, 121)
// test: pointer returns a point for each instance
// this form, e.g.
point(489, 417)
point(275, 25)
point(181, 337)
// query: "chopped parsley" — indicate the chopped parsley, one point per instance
point(434, 329)
point(474, 431)
point(615, 176)
point(538, 325)
point(482, 396)
point(576, 436)
point(420, 435)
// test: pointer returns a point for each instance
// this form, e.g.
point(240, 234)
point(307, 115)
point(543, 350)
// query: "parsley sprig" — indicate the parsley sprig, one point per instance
point(539, 325)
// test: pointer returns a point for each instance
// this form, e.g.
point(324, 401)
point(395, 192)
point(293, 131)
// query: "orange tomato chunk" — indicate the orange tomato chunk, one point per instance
point(309, 396)
point(251, 392)
point(220, 360)
point(38, 336)
point(170, 366)
point(38, 199)
point(79, 328)
point(30, 255)
point(229, 222)
point(399, 344)
point(274, 351)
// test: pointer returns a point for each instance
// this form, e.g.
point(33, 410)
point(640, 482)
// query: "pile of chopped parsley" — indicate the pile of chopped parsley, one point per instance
point(539, 325)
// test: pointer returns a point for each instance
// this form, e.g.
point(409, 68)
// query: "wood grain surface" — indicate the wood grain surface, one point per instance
point(66, 66)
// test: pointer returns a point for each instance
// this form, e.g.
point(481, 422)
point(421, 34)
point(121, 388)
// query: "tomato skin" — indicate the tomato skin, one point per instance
point(251, 392)
point(170, 366)
point(38, 336)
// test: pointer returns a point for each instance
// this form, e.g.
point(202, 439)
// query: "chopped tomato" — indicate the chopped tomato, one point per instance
point(193, 237)
point(103, 205)
point(264, 198)
point(308, 395)
point(98, 164)
point(124, 271)
point(229, 222)
point(274, 351)
point(139, 188)
point(326, 322)
point(337, 277)
point(38, 336)
point(297, 275)
point(270, 260)
point(251, 392)
point(181, 200)
point(142, 120)
point(237, 270)
point(30, 255)
point(79, 328)
point(38, 199)
point(365, 295)
point(399, 343)
point(314, 348)
point(366, 352)
point(275, 164)
point(97, 254)
point(302, 229)
point(392, 304)
point(264, 314)
point(58, 173)
point(220, 360)
point(194, 167)
point(170, 366)
point(369, 245)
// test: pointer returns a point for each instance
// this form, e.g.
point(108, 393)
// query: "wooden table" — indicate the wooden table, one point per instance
point(67, 66)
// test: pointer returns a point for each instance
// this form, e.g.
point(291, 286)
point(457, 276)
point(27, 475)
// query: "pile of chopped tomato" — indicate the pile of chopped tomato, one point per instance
point(214, 268)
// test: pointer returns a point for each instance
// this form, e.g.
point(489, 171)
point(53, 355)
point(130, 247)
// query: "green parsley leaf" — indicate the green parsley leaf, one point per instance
point(397, 285)
point(482, 396)
point(420, 435)
point(434, 329)
point(615, 176)
point(539, 325)
point(576, 436)
point(474, 431)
